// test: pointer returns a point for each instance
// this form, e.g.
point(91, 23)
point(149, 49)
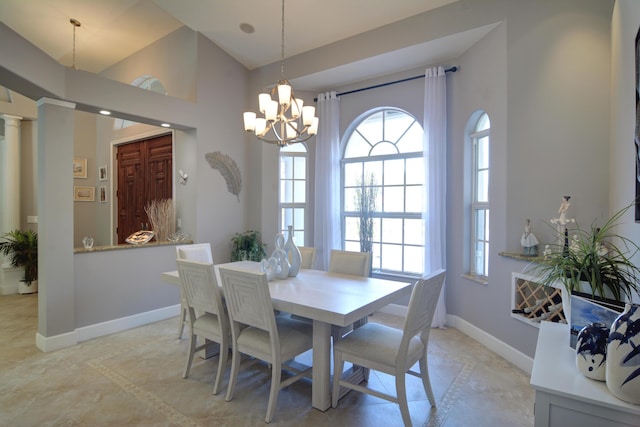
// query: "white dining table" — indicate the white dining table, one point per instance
point(327, 299)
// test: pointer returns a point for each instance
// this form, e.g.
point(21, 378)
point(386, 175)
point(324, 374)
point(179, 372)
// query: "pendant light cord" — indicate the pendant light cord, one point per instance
point(75, 24)
point(282, 44)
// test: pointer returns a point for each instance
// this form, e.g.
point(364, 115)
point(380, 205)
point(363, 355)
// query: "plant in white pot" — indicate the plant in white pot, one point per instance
point(597, 261)
point(21, 248)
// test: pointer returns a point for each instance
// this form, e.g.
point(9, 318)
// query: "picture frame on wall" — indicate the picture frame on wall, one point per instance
point(79, 167)
point(102, 194)
point(84, 194)
point(102, 173)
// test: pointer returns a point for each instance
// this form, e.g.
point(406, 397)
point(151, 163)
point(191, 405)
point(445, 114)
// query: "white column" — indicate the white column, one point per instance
point(11, 174)
point(10, 203)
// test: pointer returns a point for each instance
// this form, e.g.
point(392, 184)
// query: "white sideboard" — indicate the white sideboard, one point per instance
point(565, 397)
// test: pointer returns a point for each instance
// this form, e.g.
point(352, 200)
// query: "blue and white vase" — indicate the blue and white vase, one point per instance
point(293, 254)
point(623, 355)
point(591, 351)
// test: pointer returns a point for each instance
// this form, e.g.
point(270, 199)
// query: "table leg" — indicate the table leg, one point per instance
point(321, 385)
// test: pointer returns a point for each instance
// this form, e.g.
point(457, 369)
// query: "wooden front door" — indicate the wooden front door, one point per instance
point(144, 174)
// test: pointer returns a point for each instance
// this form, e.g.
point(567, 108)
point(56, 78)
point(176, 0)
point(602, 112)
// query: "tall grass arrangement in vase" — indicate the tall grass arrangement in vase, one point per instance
point(162, 217)
point(366, 195)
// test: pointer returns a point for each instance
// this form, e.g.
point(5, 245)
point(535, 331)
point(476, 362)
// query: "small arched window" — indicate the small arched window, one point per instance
point(479, 137)
point(146, 82)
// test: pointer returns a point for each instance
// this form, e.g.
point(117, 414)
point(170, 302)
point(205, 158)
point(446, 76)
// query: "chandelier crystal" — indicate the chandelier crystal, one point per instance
point(286, 120)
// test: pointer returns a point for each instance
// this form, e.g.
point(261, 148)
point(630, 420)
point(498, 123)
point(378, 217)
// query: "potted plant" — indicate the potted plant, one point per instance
point(247, 246)
point(21, 248)
point(596, 260)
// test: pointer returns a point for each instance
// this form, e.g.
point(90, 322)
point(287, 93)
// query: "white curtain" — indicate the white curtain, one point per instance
point(326, 230)
point(435, 188)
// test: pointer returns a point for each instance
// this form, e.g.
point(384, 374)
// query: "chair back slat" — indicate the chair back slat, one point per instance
point(422, 304)
point(195, 252)
point(200, 286)
point(308, 255)
point(347, 262)
point(248, 299)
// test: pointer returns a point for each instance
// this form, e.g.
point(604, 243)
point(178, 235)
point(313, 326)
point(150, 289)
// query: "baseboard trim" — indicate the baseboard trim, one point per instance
point(501, 348)
point(55, 342)
point(8, 289)
point(85, 333)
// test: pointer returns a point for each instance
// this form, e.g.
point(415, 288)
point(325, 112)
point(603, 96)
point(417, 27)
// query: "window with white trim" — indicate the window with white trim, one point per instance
point(479, 138)
point(382, 180)
point(293, 191)
point(146, 82)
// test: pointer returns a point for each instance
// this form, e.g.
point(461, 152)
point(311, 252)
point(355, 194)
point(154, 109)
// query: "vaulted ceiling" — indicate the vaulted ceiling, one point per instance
point(111, 30)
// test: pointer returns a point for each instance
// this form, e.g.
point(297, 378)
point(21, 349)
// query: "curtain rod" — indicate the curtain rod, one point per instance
point(452, 70)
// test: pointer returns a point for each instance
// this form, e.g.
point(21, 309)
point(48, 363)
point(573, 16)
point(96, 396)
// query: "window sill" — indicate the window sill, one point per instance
point(478, 279)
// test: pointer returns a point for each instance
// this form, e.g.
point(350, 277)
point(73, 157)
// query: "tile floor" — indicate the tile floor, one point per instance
point(133, 378)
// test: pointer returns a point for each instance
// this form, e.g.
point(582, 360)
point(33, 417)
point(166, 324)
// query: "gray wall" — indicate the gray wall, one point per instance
point(625, 25)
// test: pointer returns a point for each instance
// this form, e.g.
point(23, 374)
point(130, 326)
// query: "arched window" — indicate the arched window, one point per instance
point(382, 178)
point(146, 82)
point(293, 191)
point(479, 135)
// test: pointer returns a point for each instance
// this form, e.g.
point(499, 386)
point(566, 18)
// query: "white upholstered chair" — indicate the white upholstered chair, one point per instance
point(194, 252)
point(265, 337)
point(391, 350)
point(347, 262)
point(308, 256)
point(207, 316)
point(356, 264)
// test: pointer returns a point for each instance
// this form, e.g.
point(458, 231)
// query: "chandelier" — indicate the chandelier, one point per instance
point(286, 119)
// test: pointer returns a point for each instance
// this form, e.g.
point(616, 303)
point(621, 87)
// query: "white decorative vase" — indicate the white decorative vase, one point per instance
point(282, 262)
point(623, 355)
point(293, 254)
point(591, 351)
point(269, 267)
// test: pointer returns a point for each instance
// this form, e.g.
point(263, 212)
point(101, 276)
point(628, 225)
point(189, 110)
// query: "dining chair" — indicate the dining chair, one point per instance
point(348, 262)
point(272, 339)
point(195, 252)
point(393, 351)
point(207, 316)
point(308, 256)
point(353, 263)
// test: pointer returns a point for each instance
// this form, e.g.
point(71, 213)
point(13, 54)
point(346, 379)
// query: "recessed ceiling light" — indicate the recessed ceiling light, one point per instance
point(247, 28)
point(165, 125)
point(105, 112)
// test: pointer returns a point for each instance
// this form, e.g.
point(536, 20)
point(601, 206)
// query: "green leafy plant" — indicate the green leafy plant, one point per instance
point(21, 248)
point(598, 256)
point(247, 246)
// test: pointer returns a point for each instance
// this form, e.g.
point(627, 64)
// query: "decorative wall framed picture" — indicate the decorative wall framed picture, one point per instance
point(102, 173)
point(79, 167)
point(102, 194)
point(84, 194)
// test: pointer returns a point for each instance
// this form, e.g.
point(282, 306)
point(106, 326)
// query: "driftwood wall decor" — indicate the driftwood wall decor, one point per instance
point(228, 169)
